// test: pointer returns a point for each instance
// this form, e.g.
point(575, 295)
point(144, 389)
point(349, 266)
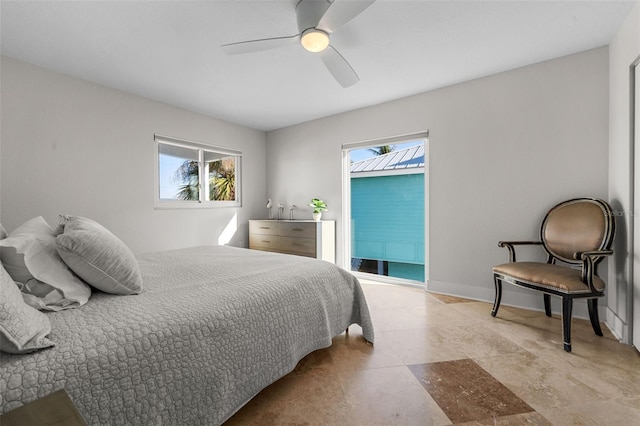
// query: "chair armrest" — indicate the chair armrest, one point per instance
point(510, 246)
point(589, 259)
point(581, 255)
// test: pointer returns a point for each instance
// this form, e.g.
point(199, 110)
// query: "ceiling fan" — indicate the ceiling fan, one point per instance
point(317, 19)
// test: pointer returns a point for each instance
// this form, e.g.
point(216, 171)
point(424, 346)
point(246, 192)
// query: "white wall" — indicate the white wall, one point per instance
point(503, 150)
point(623, 50)
point(70, 146)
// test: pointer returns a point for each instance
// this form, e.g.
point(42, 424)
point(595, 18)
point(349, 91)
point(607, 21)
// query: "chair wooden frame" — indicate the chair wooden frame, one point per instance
point(588, 261)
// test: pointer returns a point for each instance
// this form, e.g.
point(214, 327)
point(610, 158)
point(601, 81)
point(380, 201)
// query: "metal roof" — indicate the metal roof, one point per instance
point(408, 158)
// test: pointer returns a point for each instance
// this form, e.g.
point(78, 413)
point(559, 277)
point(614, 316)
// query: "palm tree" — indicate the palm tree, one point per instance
point(383, 149)
point(222, 180)
point(187, 173)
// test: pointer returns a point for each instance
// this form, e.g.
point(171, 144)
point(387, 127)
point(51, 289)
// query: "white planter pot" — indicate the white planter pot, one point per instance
point(317, 216)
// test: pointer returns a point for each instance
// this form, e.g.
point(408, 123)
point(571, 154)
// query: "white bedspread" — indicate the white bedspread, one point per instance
point(213, 326)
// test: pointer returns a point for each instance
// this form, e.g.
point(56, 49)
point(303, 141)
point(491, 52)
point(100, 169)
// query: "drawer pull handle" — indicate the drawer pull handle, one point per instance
point(266, 241)
point(297, 229)
point(298, 244)
point(265, 227)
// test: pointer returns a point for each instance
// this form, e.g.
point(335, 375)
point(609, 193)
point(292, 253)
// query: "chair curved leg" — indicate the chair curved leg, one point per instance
point(496, 302)
point(547, 304)
point(567, 307)
point(593, 316)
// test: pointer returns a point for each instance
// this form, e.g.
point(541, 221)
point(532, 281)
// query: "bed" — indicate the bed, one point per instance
point(213, 326)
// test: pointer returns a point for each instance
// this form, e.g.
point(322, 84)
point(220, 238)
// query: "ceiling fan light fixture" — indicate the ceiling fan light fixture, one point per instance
point(314, 40)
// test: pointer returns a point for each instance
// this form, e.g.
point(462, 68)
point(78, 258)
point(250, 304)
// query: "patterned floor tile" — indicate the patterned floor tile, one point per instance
point(466, 392)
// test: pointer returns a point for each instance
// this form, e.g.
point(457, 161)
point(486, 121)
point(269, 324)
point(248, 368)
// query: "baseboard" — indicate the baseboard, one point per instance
point(460, 290)
point(515, 296)
point(618, 327)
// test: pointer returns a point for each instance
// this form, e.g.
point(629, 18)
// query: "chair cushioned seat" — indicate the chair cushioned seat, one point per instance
point(545, 275)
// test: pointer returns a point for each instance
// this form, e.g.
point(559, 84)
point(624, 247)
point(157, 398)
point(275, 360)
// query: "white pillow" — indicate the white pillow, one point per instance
point(29, 255)
point(22, 328)
point(98, 256)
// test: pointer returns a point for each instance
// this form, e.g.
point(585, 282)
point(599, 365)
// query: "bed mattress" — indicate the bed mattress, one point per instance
point(213, 326)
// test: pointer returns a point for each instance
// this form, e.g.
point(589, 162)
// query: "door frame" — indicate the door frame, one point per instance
point(346, 203)
point(633, 306)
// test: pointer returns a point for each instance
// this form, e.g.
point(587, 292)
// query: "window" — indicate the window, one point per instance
point(190, 174)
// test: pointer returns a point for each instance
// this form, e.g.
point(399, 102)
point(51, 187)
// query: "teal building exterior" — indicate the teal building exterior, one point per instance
point(388, 214)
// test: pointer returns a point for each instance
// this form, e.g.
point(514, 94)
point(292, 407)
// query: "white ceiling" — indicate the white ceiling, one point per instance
point(169, 50)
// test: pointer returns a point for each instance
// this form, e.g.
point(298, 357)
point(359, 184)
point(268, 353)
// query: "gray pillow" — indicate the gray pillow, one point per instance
point(98, 256)
point(23, 329)
point(3, 233)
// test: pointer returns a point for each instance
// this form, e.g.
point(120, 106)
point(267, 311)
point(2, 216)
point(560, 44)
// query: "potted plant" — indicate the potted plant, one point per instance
point(319, 206)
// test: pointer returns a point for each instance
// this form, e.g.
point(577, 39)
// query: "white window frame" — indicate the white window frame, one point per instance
point(202, 172)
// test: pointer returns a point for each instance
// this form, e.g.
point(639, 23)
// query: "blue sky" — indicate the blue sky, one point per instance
point(168, 166)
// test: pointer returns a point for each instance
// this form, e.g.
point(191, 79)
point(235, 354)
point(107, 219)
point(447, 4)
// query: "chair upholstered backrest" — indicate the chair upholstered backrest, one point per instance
point(578, 225)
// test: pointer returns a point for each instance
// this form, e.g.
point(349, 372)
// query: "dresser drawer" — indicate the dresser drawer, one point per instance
point(299, 230)
point(264, 227)
point(293, 245)
point(264, 242)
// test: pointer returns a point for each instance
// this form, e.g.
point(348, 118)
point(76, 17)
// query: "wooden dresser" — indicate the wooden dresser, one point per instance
point(300, 237)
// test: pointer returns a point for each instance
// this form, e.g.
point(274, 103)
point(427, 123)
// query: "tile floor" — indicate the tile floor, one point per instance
point(441, 360)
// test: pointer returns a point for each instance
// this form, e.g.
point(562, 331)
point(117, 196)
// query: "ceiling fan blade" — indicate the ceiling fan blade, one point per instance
point(341, 12)
point(339, 67)
point(258, 45)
